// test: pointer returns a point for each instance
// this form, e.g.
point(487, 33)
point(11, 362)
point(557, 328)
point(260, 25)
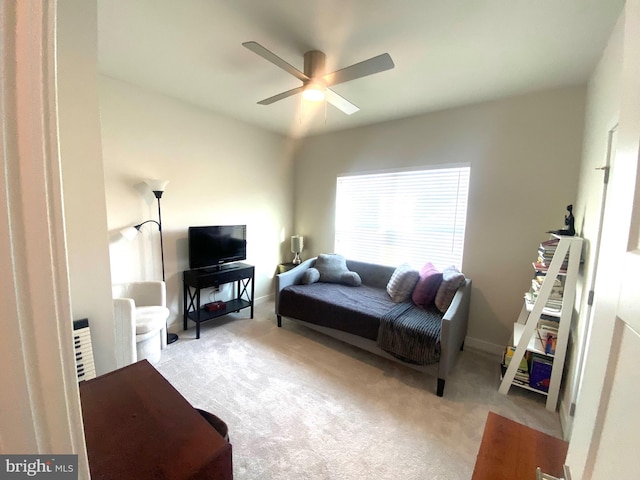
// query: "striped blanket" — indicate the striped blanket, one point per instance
point(411, 333)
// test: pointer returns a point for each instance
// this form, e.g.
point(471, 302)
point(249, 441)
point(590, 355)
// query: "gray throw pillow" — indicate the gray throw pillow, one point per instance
point(311, 275)
point(351, 278)
point(333, 269)
point(452, 279)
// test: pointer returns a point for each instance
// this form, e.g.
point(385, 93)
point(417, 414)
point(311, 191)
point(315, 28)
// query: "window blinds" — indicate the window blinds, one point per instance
point(404, 216)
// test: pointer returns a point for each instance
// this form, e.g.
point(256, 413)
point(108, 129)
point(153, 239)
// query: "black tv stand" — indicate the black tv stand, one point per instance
point(220, 267)
point(199, 278)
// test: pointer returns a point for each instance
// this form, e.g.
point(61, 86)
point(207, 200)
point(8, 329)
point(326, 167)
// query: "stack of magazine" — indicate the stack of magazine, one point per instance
point(555, 297)
point(522, 374)
point(546, 251)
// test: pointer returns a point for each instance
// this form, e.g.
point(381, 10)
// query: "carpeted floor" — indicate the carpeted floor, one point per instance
point(301, 405)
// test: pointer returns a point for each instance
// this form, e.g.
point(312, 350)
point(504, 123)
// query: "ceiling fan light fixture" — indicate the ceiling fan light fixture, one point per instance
point(316, 82)
point(314, 92)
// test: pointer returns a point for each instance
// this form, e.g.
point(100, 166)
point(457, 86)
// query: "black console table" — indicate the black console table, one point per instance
point(199, 278)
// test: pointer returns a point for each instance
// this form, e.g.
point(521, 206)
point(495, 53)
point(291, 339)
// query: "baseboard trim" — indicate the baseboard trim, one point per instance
point(566, 422)
point(484, 346)
point(264, 299)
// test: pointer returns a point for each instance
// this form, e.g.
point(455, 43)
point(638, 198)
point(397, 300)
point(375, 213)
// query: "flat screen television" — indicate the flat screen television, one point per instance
point(217, 244)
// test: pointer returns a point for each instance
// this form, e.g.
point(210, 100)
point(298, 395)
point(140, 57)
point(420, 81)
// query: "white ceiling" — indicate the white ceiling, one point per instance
point(446, 52)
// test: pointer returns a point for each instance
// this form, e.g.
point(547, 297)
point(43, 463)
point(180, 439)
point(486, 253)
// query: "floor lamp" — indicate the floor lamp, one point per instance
point(157, 187)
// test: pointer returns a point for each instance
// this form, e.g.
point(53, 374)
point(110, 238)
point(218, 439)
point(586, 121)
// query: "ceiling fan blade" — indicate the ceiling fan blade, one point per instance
point(273, 58)
point(358, 70)
point(280, 96)
point(339, 102)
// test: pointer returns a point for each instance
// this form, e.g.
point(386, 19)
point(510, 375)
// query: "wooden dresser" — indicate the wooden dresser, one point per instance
point(138, 426)
point(511, 451)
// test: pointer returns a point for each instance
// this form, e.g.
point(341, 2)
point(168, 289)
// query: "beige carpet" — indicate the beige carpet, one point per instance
point(300, 405)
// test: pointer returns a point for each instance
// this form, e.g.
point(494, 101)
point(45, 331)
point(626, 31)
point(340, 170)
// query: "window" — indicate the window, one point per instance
point(403, 216)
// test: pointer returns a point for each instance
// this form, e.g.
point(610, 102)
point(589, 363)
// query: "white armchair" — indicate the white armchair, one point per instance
point(140, 314)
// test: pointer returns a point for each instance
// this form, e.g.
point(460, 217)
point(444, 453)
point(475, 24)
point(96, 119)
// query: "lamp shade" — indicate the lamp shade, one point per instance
point(157, 185)
point(129, 233)
point(297, 243)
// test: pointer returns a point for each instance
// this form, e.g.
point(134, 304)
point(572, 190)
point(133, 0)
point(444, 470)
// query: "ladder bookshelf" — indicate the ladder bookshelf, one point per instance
point(537, 313)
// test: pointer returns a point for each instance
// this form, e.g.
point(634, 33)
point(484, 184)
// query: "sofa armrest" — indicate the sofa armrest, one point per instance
point(124, 315)
point(292, 277)
point(454, 329)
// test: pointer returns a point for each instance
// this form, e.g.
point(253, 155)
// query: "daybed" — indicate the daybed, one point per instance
point(355, 314)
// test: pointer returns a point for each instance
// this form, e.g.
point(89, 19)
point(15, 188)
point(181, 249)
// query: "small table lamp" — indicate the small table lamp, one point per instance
point(296, 247)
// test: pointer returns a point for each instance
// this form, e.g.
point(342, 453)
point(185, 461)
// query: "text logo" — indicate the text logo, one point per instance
point(51, 467)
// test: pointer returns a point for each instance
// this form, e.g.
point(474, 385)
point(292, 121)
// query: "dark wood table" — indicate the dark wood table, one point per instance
point(510, 450)
point(137, 425)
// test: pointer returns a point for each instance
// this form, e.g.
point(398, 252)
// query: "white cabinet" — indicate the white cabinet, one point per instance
point(547, 308)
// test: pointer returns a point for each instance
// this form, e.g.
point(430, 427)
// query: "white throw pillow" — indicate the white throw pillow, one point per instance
point(402, 282)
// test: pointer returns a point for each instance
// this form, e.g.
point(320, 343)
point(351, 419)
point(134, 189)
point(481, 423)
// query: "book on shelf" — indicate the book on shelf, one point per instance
point(540, 375)
point(541, 267)
point(547, 249)
point(546, 262)
point(551, 305)
point(557, 282)
point(555, 304)
point(557, 290)
point(522, 374)
point(550, 344)
point(549, 324)
point(521, 381)
point(508, 355)
point(554, 301)
point(548, 335)
point(551, 243)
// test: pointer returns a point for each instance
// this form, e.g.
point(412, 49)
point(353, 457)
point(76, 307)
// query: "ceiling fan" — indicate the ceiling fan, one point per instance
point(315, 82)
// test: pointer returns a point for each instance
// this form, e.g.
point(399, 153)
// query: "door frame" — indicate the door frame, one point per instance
point(41, 410)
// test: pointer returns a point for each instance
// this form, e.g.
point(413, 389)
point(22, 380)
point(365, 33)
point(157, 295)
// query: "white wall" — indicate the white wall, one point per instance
point(619, 235)
point(601, 116)
point(220, 171)
point(524, 154)
point(83, 177)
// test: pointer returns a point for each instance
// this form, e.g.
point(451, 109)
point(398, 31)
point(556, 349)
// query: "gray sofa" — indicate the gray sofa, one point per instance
point(353, 314)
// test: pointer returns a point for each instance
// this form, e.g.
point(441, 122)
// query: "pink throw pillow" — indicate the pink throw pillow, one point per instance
point(427, 287)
